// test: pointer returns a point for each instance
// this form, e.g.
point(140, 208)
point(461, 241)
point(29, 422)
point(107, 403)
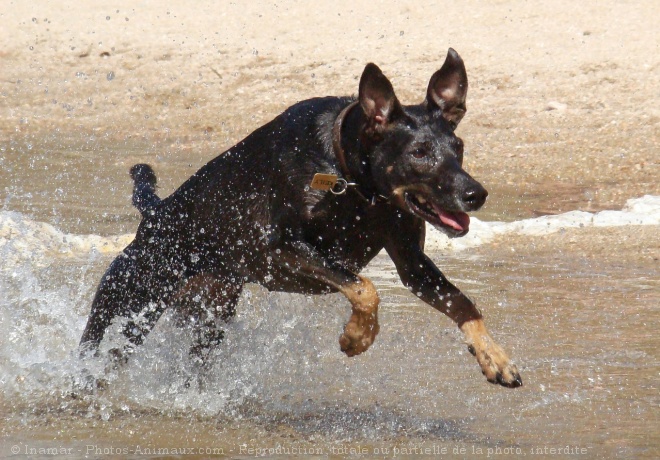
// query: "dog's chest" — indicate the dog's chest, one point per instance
point(350, 235)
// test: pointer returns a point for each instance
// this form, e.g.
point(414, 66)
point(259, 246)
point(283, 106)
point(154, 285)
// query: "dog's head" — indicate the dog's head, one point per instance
point(414, 155)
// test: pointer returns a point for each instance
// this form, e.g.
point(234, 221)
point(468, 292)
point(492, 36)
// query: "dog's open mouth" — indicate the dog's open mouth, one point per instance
point(454, 223)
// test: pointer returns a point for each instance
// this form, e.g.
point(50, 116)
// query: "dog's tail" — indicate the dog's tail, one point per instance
point(144, 189)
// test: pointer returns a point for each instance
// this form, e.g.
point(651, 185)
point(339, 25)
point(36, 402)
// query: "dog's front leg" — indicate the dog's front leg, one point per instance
point(301, 259)
point(420, 274)
point(361, 329)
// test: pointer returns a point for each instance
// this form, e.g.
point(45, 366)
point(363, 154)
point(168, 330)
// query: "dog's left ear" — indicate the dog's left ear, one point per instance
point(448, 89)
point(377, 99)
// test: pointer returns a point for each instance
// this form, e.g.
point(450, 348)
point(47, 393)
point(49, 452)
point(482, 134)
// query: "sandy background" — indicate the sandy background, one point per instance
point(563, 114)
point(563, 108)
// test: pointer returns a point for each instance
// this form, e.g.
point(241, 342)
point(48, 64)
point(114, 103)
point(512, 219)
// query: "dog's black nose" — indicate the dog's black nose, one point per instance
point(474, 197)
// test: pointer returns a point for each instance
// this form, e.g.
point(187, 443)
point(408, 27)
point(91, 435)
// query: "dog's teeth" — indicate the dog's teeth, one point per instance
point(421, 199)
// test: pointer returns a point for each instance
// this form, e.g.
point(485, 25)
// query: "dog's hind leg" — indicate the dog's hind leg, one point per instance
point(131, 288)
point(109, 302)
point(206, 302)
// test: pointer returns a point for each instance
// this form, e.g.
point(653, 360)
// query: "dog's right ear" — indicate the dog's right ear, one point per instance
point(377, 99)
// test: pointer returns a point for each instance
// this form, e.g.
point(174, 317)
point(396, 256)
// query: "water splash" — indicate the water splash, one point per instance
point(280, 361)
point(637, 211)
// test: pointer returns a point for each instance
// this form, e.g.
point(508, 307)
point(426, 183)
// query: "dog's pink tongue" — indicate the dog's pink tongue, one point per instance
point(456, 220)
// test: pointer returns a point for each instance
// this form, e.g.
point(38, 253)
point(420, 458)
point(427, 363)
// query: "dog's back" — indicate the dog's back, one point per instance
point(245, 188)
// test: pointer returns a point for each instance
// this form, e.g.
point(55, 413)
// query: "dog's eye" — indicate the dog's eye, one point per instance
point(420, 153)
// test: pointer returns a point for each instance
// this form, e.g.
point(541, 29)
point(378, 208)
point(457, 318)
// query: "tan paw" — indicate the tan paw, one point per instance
point(496, 366)
point(494, 362)
point(358, 335)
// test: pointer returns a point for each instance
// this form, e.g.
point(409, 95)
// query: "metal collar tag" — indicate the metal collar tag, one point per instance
point(330, 182)
point(324, 181)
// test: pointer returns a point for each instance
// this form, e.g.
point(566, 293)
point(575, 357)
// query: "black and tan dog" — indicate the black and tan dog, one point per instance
point(302, 205)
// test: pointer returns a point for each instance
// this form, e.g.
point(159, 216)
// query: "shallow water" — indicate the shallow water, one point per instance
point(582, 331)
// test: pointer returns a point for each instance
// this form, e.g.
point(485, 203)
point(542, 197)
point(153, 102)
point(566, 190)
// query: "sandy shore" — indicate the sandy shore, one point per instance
point(563, 114)
point(563, 109)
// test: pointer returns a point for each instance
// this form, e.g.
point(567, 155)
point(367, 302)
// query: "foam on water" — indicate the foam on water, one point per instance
point(22, 239)
point(280, 350)
point(637, 211)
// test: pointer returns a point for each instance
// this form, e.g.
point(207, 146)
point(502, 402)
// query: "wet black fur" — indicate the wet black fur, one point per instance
point(250, 216)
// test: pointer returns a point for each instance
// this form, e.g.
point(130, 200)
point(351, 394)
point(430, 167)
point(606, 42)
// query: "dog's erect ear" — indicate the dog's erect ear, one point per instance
point(448, 89)
point(377, 98)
